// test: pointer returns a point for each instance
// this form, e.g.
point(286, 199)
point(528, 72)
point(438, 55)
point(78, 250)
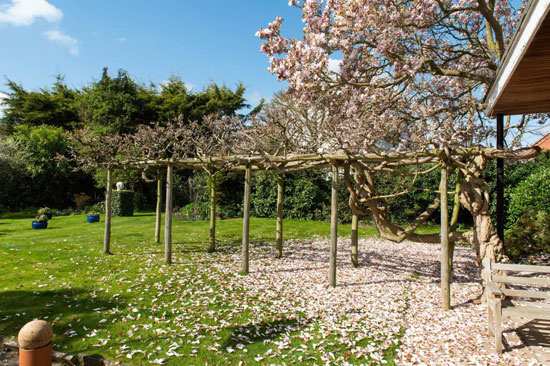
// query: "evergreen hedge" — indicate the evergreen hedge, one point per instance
point(122, 203)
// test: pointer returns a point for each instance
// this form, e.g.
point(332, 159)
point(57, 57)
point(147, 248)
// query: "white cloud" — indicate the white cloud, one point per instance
point(334, 65)
point(2, 106)
point(64, 40)
point(25, 12)
point(121, 39)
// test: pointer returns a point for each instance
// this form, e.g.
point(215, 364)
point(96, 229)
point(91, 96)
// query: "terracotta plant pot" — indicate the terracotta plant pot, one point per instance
point(36, 357)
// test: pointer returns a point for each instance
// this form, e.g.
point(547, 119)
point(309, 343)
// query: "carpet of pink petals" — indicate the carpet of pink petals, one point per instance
point(393, 297)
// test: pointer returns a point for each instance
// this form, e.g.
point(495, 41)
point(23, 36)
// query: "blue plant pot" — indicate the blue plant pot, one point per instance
point(91, 219)
point(39, 225)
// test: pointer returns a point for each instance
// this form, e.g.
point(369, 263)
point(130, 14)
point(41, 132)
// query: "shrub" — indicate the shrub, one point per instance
point(81, 200)
point(193, 212)
point(46, 211)
point(140, 202)
point(532, 194)
point(529, 235)
point(25, 214)
point(41, 218)
point(122, 203)
point(66, 212)
point(306, 196)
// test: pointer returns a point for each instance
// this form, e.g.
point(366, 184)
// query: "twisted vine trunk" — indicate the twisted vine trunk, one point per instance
point(474, 196)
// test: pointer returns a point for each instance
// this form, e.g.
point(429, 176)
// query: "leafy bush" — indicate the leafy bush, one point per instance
point(140, 202)
point(531, 194)
point(93, 208)
point(514, 173)
point(306, 196)
point(529, 235)
point(81, 199)
point(193, 212)
point(41, 218)
point(46, 211)
point(25, 214)
point(122, 203)
point(66, 212)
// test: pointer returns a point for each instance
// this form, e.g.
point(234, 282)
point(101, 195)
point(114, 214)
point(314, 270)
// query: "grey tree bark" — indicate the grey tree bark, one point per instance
point(168, 216)
point(108, 213)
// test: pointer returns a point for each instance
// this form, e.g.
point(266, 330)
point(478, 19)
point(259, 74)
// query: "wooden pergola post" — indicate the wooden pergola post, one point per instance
point(108, 212)
point(446, 253)
point(212, 242)
point(279, 237)
point(159, 210)
point(500, 178)
point(246, 221)
point(168, 215)
point(354, 240)
point(333, 228)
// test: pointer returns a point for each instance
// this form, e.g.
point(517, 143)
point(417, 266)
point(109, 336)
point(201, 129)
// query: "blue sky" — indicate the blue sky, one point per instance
point(201, 41)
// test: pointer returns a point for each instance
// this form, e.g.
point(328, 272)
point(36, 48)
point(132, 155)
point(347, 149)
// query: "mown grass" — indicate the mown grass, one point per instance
point(109, 304)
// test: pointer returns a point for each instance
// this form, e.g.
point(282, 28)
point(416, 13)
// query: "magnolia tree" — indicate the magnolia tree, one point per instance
point(396, 77)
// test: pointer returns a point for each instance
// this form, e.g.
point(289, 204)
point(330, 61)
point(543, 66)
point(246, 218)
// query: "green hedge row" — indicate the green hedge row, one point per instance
point(122, 203)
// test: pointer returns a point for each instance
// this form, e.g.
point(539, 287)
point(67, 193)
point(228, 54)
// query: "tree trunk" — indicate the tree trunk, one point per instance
point(333, 228)
point(168, 216)
point(108, 213)
point(446, 254)
point(212, 243)
point(474, 196)
point(159, 210)
point(246, 222)
point(279, 238)
point(354, 240)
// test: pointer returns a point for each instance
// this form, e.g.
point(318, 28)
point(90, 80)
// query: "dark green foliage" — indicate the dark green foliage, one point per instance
point(42, 143)
point(514, 173)
point(176, 99)
point(193, 212)
point(31, 176)
point(116, 104)
point(533, 193)
point(27, 213)
point(529, 235)
point(55, 107)
point(122, 203)
point(407, 207)
point(38, 119)
point(140, 202)
point(306, 195)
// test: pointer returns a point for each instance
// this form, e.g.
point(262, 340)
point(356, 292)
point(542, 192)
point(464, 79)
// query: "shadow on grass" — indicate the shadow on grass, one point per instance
point(258, 332)
point(65, 309)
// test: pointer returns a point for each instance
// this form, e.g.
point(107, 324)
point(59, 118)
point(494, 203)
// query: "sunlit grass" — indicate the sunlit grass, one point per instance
point(101, 304)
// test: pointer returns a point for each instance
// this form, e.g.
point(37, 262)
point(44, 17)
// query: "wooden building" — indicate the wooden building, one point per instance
point(522, 84)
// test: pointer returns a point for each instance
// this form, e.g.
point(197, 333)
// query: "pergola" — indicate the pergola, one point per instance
point(284, 164)
point(522, 84)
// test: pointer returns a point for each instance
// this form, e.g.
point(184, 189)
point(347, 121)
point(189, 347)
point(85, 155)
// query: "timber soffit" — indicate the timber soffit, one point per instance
point(533, 17)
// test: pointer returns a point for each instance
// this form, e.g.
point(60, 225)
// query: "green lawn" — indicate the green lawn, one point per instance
point(112, 304)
